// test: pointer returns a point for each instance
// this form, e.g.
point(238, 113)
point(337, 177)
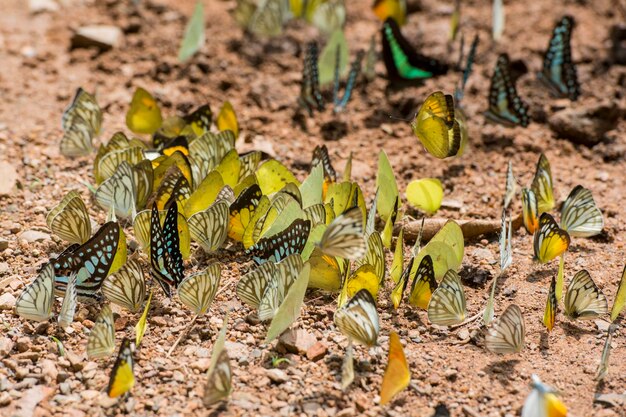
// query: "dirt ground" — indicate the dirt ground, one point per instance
point(40, 73)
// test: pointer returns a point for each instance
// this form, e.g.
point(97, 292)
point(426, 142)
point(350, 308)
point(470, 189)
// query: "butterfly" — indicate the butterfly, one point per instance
point(108, 162)
point(329, 16)
point(70, 220)
point(358, 319)
point(353, 74)
point(322, 158)
point(198, 290)
point(316, 214)
point(579, 214)
point(530, 211)
point(424, 283)
point(397, 375)
point(174, 189)
point(344, 236)
point(559, 72)
point(227, 119)
point(119, 192)
point(620, 297)
point(447, 303)
point(35, 301)
point(459, 92)
point(603, 366)
point(375, 256)
point(542, 185)
point(436, 127)
point(99, 255)
point(68, 307)
point(347, 367)
point(505, 105)
point(509, 190)
point(507, 332)
point(166, 260)
point(552, 306)
point(126, 287)
point(395, 9)
point(144, 114)
point(242, 210)
point(506, 253)
point(264, 19)
point(122, 378)
point(583, 299)
point(140, 327)
point(282, 244)
point(403, 63)
point(550, 241)
point(542, 401)
point(425, 194)
point(81, 122)
point(210, 227)
point(208, 150)
point(310, 95)
point(101, 340)
point(218, 385)
point(364, 277)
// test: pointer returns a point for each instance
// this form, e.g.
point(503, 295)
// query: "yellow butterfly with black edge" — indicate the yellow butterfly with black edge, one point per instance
point(141, 229)
point(35, 301)
point(198, 290)
point(282, 244)
point(583, 299)
point(530, 211)
point(200, 119)
point(126, 287)
point(171, 128)
point(227, 119)
point(579, 214)
point(122, 378)
point(322, 158)
point(70, 220)
point(552, 307)
point(144, 114)
point(397, 374)
point(550, 241)
point(219, 378)
point(162, 165)
point(603, 366)
point(398, 290)
point(424, 283)
point(242, 210)
point(559, 72)
point(177, 143)
point(620, 297)
point(436, 127)
point(447, 303)
point(505, 105)
point(358, 319)
point(105, 252)
point(101, 339)
point(81, 122)
point(209, 228)
point(395, 9)
point(363, 278)
point(166, 261)
point(174, 189)
point(344, 236)
point(507, 332)
point(542, 401)
point(542, 185)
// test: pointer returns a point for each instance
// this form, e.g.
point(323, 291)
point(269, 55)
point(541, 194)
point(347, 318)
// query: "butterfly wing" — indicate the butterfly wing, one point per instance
point(507, 332)
point(579, 215)
point(101, 340)
point(397, 375)
point(505, 105)
point(122, 378)
point(35, 301)
point(126, 287)
point(550, 241)
point(447, 303)
point(424, 284)
point(549, 316)
point(70, 220)
point(210, 227)
point(358, 318)
point(559, 72)
point(530, 211)
point(344, 236)
point(542, 185)
point(583, 299)
point(282, 244)
point(198, 290)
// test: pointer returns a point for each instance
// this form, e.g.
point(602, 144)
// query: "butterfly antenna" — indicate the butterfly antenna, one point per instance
point(401, 119)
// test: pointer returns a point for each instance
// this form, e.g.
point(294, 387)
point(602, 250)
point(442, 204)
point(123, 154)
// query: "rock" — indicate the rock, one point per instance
point(34, 236)
point(77, 362)
point(585, 126)
point(618, 39)
point(6, 346)
point(89, 394)
point(297, 341)
point(31, 398)
point(7, 301)
point(201, 365)
point(4, 268)
point(40, 6)
point(23, 344)
point(316, 352)
point(104, 37)
point(4, 244)
point(277, 376)
point(8, 178)
point(311, 408)
point(611, 399)
point(602, 325)
point(482, 253)
point(5, 399)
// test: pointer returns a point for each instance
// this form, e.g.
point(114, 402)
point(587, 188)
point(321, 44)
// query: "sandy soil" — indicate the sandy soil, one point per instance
point(40, 73)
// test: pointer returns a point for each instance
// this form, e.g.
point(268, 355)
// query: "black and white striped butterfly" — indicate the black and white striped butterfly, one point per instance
point(358, 318)
point(447, 304)
point(198, 290)
point(81, 122)
point(35, 301)
point(126, 287)
point(209, 228)
point(101, 340)
point(219, 378)
point(559, 72)
point(505, 105)
point(70, 220)
point(344, 236)
point(507, 332)
point(583, 299)
point(579, 214)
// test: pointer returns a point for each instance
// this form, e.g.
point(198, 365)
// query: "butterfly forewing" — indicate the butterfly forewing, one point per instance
point(507, 332)
point(35, 301)
point(69, 219)
point(559, 72)
point(447, 303)
point(101, 340)
point(198, 290)
point(122, 378)
point(505, 105)
point(579, 214)
point(583, 299)
point(344, 236)
point(126, 287)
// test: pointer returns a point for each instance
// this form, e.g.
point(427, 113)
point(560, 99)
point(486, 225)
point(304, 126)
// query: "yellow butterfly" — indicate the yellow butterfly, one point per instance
point(108, 162)
point(579, 215)
point(364, 277)
point(530, 212)
point(620, 297)
point(542, 401)
point(425, 194)
point(227, 119)
point(550, 241)
point(542, 185)
point(436, 127)
point(397, 375)
point(424, 283)
point(69, 219)
point(507, 332)
point(583, 299)
point(101, 340)
point(549, 316)
point(140, 327)
point(390, 8)
point(242, 210)
point(375, 256)
point(447, 303)
point(122, 378)
point(144, 114)
point(358, 319)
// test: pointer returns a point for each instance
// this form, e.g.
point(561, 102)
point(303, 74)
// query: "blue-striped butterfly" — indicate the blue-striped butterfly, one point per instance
point(166, 260)
point(282, 244)
point(505, 105)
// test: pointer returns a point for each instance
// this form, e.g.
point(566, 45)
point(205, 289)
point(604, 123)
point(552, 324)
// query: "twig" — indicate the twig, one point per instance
point(468, 321)
point(182, 335)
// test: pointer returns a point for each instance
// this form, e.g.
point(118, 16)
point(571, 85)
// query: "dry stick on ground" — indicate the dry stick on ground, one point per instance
point(471, 228)
point(182, 335)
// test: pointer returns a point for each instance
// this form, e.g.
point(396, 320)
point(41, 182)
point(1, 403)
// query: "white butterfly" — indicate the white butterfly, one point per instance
point(358, 319)
point(506, 335)
point(447, 304)
point(344, 236)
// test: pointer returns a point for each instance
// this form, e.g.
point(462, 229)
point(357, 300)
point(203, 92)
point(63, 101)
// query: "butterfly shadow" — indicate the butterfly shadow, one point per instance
point(454, 171)
point(539, 275)
point(574, 331)
point(502, 370)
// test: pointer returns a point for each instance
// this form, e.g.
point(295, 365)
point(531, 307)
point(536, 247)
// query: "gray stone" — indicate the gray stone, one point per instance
point(6, 346)
point(297, 341)
point(34, 236)
point(7, 301)
point(276, 375)
point(100, 36)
